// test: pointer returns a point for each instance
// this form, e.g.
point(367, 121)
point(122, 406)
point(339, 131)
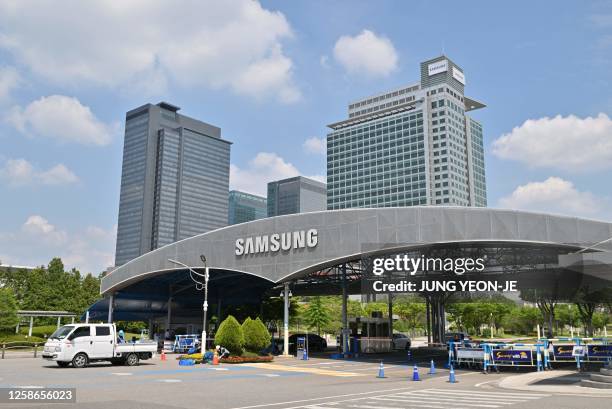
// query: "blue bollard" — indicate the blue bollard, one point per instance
point(451, 375)
point(381, 370)
point(409, 356)
point(432, 367)
point(415, 373)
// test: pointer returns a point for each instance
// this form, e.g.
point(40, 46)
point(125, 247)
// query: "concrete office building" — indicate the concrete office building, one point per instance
point(296, 195)
point(411, 146)
point(245, 207)
point(174, 181)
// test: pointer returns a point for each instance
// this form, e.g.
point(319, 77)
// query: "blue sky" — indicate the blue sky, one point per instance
point(272, 75)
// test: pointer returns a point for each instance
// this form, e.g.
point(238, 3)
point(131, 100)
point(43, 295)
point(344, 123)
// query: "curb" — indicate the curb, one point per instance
point(524, 382)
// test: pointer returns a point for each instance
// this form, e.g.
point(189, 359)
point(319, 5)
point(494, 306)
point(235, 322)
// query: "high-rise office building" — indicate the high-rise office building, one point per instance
point(296, 195)
point(244, 207)
point(414, 145)
point(174, 181)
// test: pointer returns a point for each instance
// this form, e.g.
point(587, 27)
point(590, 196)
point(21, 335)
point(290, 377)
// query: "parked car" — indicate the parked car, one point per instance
point(80, 344)
point(401, 341)
point(315, 343)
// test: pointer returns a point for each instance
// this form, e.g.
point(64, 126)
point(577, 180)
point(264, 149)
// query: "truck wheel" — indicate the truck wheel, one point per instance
point(63, 364)
point(131, 360)
point(80, 360)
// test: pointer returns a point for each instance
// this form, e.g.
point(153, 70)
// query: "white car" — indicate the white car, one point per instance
point(401, 341)
point(80, 344)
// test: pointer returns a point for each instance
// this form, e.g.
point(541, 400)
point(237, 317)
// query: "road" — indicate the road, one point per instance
point(283, 384)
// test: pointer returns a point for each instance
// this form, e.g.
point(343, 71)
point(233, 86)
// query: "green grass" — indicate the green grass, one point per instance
point(6, 337)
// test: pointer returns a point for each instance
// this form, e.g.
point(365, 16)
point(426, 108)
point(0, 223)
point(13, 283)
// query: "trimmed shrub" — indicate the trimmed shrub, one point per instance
point(230, 336)
point(256, 335)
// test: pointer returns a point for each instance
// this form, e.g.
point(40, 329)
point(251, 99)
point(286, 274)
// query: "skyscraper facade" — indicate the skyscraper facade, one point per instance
point(296, 195)
point(414, 145)
point(174, 181)
point(245, 207)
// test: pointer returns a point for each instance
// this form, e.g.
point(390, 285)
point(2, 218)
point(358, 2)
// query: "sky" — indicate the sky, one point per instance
point(272, 75)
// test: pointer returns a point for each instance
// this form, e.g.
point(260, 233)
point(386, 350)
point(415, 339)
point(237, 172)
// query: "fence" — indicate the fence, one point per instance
point(19, 345)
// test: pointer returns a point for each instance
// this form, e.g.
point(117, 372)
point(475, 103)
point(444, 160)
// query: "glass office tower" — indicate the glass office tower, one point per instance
point(174, 181)
point(245, 207)
point(296, 195)
point(410, 146)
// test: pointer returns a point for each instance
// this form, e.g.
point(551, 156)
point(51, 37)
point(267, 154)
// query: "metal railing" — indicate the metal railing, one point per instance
point(20, 346)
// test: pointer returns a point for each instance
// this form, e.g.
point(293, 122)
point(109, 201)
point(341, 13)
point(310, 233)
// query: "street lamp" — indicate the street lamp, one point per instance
point(199, 286)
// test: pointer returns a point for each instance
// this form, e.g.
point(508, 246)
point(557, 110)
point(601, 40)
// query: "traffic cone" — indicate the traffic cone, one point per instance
point(381, 370)
point(415, 373)
point(432, 367)
point(163, 355)
point(451, 375)
point(215, 360)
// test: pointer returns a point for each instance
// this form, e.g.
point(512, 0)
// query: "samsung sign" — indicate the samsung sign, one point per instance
point(437, 67)
point(458, 75)
point(273, 243)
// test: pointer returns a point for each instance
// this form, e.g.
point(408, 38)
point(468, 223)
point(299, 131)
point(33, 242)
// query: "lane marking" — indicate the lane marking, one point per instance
point(31, 387)
point(122, 373)
point(321, 398)
point(504, 394)
point(269, 375)
point(316, 371)
point(478, 385)
point(169, 380)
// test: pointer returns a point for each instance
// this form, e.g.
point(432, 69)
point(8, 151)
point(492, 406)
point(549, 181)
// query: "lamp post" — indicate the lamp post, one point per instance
point(204, 286)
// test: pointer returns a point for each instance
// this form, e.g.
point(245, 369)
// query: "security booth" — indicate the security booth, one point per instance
point(370, 334)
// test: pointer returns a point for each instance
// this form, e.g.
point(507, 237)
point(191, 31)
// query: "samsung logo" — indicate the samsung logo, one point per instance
point(276, 242)
point(437, 67)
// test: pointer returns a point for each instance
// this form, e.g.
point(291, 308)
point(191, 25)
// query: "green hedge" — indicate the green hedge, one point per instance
point(256, 335)
point(230, 336)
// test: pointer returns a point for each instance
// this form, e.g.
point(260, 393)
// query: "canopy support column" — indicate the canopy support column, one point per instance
point(169, 316)
point(286, 320)
point(345, 329)
point(111, 300)
point(390, 306)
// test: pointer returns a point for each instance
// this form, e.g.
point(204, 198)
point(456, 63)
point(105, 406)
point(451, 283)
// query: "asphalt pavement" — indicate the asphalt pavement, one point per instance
point(318, 383)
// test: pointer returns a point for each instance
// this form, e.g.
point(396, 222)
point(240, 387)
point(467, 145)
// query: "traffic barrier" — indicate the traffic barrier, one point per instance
point(415, 373)
point(451, 375)
point(381, 370)
point(432, 367)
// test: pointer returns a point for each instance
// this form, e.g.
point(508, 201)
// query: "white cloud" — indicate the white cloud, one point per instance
point(265, 167)
point(315, 145)
point(9, 80)
point(38, 228)
point(556, 195)
point(235, 44)
point(62, 118)
point(20, 172)
point(565, 143)
point(367, 54)
point(37, 241)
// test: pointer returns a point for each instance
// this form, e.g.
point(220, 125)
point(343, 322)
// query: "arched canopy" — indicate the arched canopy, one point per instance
point(318, 240)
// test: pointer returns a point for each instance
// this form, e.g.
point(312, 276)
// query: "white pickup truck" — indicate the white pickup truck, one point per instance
point(81, 344)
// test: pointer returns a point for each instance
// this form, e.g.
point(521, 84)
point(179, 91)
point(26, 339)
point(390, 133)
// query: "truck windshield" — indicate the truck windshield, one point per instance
point(62, 332)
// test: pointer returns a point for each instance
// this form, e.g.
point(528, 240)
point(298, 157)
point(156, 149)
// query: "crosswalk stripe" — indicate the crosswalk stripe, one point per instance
point(505, 394)
point(428, 405)
point(447, 400)
point(495, 399)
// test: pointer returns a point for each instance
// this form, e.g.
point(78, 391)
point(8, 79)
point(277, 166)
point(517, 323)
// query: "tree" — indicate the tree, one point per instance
point(8, 309)
point(411, 312)
point(256, 335)
point(230, 335)
point(317, 314)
